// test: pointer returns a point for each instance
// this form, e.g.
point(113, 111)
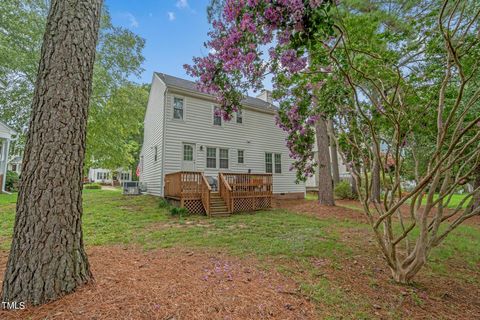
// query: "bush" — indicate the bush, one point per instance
point(11, 181)
point(92, 186)
point(163, 204)
point(175, 211)
point(343, 190)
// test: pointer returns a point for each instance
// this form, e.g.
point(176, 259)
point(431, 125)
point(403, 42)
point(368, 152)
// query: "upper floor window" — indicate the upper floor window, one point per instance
point(178, 108)
point(217, 116)
point(239, 116)
point(211, 157)
point(240, 156)
point(223, 158)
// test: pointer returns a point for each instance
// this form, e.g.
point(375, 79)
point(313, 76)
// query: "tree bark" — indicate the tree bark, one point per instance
point(325, 185)
point(47, 257)
point(476, 185)
point(334, 153)
point(376, 181)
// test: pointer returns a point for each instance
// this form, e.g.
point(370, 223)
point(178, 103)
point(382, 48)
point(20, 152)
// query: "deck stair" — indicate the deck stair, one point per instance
point(218, 206)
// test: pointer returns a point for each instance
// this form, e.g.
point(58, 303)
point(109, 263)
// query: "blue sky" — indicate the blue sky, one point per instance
point(174, 30)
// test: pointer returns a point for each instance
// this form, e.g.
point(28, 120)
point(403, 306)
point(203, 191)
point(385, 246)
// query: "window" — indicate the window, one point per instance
point(223, 158)
point(187, 152)
point(211, 157)
point(268, 163)
point(14, 167)
point(241, 156)
point(239, 116)
point(217, 118)
point(124, 176)
point(178, 108)
point(278, 163)
point(102, 175)
point(155, 153)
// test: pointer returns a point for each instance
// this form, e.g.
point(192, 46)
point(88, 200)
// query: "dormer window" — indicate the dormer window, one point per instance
point(178, 108)
point(217, 116)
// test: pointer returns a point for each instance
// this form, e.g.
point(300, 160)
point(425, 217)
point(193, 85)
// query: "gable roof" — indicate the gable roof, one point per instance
point(191, 86)
point(6, 130)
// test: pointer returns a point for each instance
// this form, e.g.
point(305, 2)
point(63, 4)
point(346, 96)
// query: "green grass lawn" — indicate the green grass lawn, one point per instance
point(279, 239)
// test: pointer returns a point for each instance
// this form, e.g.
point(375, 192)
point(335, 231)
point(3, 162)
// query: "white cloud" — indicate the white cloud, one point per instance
point(131, 19)
point(182, 4)
point(171, 16)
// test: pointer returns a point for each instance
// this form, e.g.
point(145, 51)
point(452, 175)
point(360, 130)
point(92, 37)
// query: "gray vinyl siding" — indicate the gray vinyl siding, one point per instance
point(256, 135)
point(151, 175)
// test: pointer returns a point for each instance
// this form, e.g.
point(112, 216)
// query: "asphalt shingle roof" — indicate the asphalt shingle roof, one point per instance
point(188, 85)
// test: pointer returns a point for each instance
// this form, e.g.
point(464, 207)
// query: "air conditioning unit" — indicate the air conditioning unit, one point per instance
point(131, 188)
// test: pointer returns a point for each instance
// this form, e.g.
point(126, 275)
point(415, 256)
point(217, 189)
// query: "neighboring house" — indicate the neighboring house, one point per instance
point(106, 176)
point(312, 182)
point(15, 164)
point(6, 135)
point(183, 133)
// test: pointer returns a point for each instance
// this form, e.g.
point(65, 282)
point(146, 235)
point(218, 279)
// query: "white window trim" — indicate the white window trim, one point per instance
point(243, 117)
point(184, 108)
point(244, 162)
point(273, 162)
point(217, 157)
point(213, 119)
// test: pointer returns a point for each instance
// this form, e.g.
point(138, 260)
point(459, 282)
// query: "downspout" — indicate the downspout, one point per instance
point(164, 138)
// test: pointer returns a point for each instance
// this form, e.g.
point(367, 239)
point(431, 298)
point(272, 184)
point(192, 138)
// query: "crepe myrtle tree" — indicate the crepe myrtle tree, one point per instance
point(397, 111)
point(252, 38)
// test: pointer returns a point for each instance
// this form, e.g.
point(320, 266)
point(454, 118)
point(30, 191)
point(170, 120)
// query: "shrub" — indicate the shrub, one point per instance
point(163, 204)
point(175, 211)
point(11, 181)
point(92, 186)
point(343, 190)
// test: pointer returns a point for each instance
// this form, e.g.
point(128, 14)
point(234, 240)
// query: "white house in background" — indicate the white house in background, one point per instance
point(6, 135)
point(106, 176)
point(312, 182)
point(15, 164)
point(182, 133)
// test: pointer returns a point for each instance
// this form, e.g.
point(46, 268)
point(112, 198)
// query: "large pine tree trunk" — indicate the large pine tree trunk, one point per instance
point(325, 185)
point(47, 257)
point(334, 153)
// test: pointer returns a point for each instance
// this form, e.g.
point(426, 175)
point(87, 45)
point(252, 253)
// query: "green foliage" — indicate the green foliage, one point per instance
point(163, 204)
point(92, 186)
point(181, 212)
point(343, 190)
point(11, 181)
point(118, 59)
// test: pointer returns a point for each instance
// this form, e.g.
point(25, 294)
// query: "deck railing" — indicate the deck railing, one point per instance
point(246, 185)
point(240, 191)
point(225, 191)
point(183, 184)
point(206, 190)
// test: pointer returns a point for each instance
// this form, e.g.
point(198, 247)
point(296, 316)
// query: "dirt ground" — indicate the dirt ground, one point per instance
point(173, 284)
point(188, 284)
point(366, 276)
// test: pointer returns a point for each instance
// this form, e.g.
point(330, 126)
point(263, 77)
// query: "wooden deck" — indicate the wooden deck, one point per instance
point(237, 192)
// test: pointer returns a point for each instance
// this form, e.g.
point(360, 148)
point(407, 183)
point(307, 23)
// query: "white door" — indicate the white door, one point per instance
point(188, 156)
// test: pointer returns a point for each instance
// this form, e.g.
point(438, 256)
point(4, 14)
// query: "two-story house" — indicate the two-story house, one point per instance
point(184, 133)
point(6, 135)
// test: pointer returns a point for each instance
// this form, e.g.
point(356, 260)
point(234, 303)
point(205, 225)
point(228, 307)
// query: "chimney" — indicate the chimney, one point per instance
point(266, 95)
